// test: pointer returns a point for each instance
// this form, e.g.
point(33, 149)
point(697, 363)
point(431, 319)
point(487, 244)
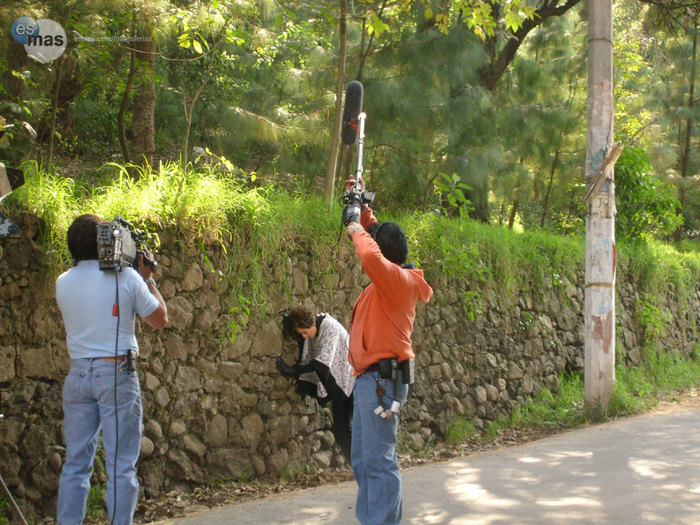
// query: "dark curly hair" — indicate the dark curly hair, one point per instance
point(391, 240)
point(300, 317)
point(82, 237)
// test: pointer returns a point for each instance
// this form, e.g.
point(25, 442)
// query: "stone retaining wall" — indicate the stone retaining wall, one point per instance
point(217, 409)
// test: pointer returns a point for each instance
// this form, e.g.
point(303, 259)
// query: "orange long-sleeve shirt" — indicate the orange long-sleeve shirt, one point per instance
point(382, 319)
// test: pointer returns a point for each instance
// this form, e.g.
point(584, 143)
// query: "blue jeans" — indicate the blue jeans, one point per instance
point(88, 404)
point(374, 459)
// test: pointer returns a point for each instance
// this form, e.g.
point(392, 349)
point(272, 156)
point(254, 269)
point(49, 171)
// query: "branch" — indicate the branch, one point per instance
point(490, 75)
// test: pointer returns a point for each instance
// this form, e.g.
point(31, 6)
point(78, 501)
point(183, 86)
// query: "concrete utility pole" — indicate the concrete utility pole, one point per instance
point(600, 222)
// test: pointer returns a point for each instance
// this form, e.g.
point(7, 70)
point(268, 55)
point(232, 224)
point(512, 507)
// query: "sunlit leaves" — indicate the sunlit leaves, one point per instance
point(516, 12)
point(375, 25)
point(481, 16)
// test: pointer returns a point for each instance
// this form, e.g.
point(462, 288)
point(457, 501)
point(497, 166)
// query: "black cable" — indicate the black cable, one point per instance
point(116, 416)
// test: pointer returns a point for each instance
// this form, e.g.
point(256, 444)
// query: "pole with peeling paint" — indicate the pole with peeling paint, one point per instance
point(600, 222)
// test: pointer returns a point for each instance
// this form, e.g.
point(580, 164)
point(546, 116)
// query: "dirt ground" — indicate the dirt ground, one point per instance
point(176, 504)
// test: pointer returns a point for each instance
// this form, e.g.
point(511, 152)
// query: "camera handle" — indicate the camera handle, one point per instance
point(9, 495)
point(360, 150)
point(148, 262)
point(354, 198)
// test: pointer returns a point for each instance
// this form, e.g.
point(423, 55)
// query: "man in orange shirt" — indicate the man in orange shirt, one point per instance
point(382, 356)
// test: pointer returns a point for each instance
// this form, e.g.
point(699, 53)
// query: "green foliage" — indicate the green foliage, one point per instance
point(265, 225)
point(96, 504)
point(5, 510)
point(295, 470)
point(651, 318)
point(453, 194)
point(563, 409)
point(254, 82)
point(645, 205)
point(16, 131)
point(662, 373)
point(480, 16)
point(461, 429)
point(239, 317)
point(657, 269)
point(491, 260)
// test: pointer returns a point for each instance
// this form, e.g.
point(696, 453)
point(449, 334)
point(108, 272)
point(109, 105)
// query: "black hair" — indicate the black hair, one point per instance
point(300, 317)
point(82, 237)
point(392, 241)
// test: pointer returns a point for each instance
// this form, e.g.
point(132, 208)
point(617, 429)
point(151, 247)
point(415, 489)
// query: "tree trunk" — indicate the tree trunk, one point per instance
point(17, 59)
point(549, 188)
point(686, 147)
point(188, 106)
point(516, 197)
point(143, 127)
point(514, 209)
point(501, 55)
point(365, 49)
point(337, 121)
point(122, 111)
point(54, 110)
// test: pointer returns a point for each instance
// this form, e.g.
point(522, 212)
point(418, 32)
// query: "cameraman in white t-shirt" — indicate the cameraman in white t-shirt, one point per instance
point(102, 388)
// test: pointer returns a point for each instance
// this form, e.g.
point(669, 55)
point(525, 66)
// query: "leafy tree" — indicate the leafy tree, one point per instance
point(645, 205)
point(490, 93)
point(144, 64)
point(655, 91)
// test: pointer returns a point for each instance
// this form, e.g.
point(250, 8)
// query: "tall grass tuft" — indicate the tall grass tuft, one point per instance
point(491, 260)
point(636, 389)
point(211, 207)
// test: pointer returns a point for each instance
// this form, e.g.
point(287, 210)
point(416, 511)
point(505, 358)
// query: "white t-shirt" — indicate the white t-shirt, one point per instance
point(86, 296)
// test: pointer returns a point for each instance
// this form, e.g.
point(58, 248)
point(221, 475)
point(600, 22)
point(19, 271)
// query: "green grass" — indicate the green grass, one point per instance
point(5, 510)
point(96, 504)
point(461, 429)
point(492, 260)
point(260, 229)
point(296, 470)
point(199, 207)
point(657, 268)
point(269, 222)
point(636, 390)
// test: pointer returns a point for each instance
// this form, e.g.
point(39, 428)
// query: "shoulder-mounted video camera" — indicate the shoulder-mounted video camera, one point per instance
point(353, 201)
point(119, 244)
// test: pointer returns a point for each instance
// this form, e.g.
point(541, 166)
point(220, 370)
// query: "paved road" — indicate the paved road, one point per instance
point(634, 471)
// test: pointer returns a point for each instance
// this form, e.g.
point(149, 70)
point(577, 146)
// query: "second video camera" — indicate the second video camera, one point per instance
point(354, 200)
point(119, 244)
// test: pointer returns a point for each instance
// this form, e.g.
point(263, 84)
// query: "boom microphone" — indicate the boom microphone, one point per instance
point(353, 107)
